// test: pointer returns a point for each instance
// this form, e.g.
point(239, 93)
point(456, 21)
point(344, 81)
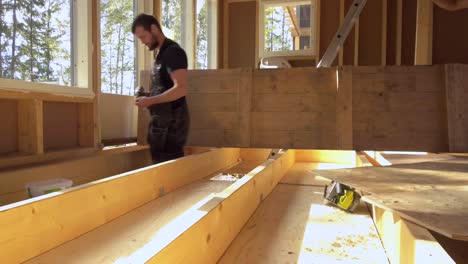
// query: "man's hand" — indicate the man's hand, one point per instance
point(144, 101)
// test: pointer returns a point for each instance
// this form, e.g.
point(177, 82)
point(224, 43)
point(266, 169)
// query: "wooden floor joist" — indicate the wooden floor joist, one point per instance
point(35, 226)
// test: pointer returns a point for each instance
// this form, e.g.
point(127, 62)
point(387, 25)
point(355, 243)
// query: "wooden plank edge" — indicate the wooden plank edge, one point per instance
point(406, 242)
point(23, 224)
point(402, 214)
point(203, 233)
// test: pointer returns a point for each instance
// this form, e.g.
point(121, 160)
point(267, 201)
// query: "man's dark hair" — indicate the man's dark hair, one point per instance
point(145, 21)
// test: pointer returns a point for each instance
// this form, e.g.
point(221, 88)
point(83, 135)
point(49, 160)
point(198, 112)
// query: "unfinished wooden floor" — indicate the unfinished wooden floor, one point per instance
point(221, 205)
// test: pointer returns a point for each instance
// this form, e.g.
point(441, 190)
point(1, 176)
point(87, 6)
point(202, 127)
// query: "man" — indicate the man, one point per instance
point(451, 5)
point(169, 125)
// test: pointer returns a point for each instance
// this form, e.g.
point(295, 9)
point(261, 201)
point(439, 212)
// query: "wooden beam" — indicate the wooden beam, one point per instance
point(23, 224)
point(384, 33)
point(293, 17)
point(342, 13)
point(423, 46)
point(212, 224)
point(406, 242)
point(317, 31)
point(456, 100)
point(344, 109)
point(399, 30)
point(86, 125)
point(30, 126)
point(89, 119)
point(356, 43)
point(225, 34)
point(43, 96)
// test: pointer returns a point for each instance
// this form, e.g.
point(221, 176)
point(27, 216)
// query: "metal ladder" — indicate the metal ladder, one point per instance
point(342, 33)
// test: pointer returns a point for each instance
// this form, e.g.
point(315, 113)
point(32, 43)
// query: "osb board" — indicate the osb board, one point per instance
point(292, 225)
point(370, 33)
point(408, 32)
point(444, 211)
point(60, 125)
point(116, 240)
point(118, 115)
point(241, 34)
point(8, 126)
point(449, 46)
point(392, 107)
point(432, 194)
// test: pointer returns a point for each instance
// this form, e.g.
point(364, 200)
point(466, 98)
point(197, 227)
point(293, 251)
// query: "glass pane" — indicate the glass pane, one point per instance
point(35, 43)
point(172, 19)
point(117, 47)
point(287, 28)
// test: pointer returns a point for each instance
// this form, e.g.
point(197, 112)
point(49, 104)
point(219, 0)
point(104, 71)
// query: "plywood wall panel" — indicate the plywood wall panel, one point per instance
point(60, 125)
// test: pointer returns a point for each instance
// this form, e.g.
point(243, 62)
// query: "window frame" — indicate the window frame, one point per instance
point(81, 53)
point(261, 29)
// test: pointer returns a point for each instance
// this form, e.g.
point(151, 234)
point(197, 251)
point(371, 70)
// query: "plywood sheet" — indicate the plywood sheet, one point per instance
point(293, 225)
point(241, 34)
point(432, 194)
point(444, 211)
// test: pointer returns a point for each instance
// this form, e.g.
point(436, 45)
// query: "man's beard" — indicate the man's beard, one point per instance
point(154, 44)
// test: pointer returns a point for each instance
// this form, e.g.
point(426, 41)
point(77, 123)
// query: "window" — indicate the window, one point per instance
point(35, 41)
point(194, 28)
point(206, 34)
point(287, 28)
point(118, 66)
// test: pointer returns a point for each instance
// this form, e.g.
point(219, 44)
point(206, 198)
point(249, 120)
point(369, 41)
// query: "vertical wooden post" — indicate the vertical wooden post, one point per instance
point(384, 33)
point(399, 30)
point(423, 46)
point(30, 126)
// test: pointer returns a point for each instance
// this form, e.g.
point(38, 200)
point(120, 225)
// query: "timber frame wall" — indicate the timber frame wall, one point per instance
point(414, 108)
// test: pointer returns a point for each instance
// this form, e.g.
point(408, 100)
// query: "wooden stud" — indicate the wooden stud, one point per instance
point(424, 20)
point(406, 242)
point(341, 52)
point(399, 31)
point(86, 125)
point(384, 33)
point(356, 43)
point(30, 126)
point(317, 31)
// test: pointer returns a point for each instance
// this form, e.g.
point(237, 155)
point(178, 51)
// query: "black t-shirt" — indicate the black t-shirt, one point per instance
point(170, 57)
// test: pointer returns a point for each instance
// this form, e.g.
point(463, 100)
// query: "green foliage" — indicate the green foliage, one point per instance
point(117, 47)
point(33, 40)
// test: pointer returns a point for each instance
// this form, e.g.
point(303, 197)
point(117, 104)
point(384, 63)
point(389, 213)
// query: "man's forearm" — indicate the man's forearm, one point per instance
point(170, 95)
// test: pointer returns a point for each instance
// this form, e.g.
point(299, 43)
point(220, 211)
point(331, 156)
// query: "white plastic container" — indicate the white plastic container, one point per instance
point(47, 186)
